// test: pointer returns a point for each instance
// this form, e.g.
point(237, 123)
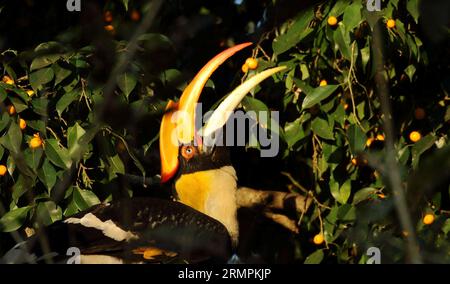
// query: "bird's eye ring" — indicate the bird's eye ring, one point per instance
point(187, 152)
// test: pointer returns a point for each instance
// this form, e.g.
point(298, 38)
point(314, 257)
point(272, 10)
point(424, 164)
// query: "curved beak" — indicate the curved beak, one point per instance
point(168, 144)
point(227, 106)
point(178, 123)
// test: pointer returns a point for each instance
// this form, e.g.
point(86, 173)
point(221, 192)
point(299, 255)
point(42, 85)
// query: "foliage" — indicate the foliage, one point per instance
point(324, 130)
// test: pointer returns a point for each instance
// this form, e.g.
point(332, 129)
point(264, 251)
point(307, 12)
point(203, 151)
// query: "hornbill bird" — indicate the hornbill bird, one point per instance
point(200, 224)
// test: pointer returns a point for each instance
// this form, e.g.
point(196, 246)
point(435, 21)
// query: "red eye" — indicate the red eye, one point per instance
point(187, 152)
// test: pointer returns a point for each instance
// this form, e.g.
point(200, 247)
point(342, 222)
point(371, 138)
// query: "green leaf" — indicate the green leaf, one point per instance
point(21, 186)
point(342, 40)
point(60, 73)
point(315, 258)
point(40, 105)
point(338, 8)
point(19, 105)
point(3, 94)
point(346, 213)
point(298, 31)
point(33, 157)
point(43, 61)
point(420, 147)
point(64, 102)
point(74, 134)
point(48, 212)
point(317, 95)
point(340, 193)
point(365, 57)
point(126, 82)
point(293, 132)
point(356, 139)
point(4, 121)
point(57, 154)
point(47, 174)
point(13, 139)
point(413, 8)
point(41, 77)
point(115, 166)
point(446, 226)
point(410, 71)
point(84, 199)
point(321, 127)
point(125, 4)
point(251, 104)
point(352, 16)
point(363, 194)
point(14, 219)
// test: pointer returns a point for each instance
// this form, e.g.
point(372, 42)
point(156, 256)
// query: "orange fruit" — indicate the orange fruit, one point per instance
point(345, 106)
point(381, 195)
point(22, 124)
point(390, 23)
point(7, 80)
point(135, 16)
point(110, 29)
point(332, 21)
point(244, 68)
point(35, 142)
point(3, 170)
point(419, 113)
point(380, 137)
point(323, 82)
point(318, 239)
point(108, 17)
point(252, 63)
point(415, 136)
point(428, 219)
point(11, 110)
point(354, 161)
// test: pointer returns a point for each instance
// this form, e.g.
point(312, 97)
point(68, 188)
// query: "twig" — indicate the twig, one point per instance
point(392, 168)
point(283, 221)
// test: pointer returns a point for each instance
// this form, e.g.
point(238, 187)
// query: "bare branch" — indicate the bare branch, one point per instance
point(290, 202)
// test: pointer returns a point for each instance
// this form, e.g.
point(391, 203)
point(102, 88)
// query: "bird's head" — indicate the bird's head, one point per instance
point(180, 142)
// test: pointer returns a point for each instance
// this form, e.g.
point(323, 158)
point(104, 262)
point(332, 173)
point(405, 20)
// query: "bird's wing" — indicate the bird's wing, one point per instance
point(137, 229)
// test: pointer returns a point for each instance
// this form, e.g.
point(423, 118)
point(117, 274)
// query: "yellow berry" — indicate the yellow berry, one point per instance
point(318, 239)
point(3, 170)
point(354, 161)
point(428, 219)
point(8, 80)
point(11, 110)
point(252, 63)
point(369, 141)
point(22, 124)
point(332, 21)
point(244, 68)
point(390, 23)
point(415, 136)
point(323, 82)
point(30, 93)
point(35, 142)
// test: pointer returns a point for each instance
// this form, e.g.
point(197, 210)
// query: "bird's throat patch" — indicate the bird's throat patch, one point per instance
point(193, 189)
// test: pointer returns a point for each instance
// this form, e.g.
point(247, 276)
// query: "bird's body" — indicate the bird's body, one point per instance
point(121, 231)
